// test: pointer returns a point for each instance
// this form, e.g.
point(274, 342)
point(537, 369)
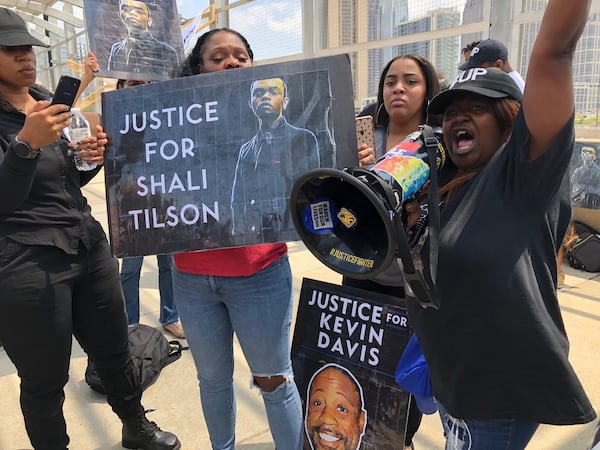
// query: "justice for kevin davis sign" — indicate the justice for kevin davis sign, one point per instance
point(347, 344)
point(209, 161)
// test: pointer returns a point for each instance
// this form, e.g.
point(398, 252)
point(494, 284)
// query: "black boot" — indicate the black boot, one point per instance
point(140, 433)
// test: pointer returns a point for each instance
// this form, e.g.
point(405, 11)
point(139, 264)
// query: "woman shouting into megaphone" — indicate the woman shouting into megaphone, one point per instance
point(496, 348)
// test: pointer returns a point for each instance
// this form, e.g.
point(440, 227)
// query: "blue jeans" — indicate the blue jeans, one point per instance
point(492, 434)
point(258, 309)
point(130, 281)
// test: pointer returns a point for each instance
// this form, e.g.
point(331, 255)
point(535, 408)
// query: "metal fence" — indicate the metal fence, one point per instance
point(371, 32)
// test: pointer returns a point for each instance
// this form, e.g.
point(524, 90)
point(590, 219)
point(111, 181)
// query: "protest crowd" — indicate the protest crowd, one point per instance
point(437, 322)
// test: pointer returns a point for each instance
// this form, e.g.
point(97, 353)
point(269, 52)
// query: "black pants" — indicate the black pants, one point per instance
point(414, 415)
point(46, 297)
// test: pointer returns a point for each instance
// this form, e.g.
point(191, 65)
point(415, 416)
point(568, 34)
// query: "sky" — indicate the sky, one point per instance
point(267, 20)
point(277, 19)
point(189, 8)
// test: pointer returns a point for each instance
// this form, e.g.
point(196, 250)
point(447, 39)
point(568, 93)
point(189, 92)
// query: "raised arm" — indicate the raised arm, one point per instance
point(548, 101)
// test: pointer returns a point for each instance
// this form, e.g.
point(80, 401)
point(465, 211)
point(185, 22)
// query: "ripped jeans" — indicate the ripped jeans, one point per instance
point(258, 309)
point(491, 434)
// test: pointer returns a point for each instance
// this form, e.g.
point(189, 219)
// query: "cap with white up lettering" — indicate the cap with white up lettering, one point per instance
point(491, 82)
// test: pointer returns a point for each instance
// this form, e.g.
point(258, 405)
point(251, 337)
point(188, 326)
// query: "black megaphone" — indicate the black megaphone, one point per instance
point(351, 219)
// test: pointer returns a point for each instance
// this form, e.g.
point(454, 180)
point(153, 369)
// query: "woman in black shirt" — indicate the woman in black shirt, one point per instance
point(496, 348)
point(57, 275)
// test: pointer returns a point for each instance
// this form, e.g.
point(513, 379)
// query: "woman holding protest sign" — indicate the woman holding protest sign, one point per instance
point(496, 348)
point(242, 290)
point(58, 277)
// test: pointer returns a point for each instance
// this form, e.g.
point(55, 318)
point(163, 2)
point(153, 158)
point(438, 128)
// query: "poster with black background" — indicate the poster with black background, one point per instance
point(355, 331)
point(190, 165)
point(135, 39)
point(584, 174)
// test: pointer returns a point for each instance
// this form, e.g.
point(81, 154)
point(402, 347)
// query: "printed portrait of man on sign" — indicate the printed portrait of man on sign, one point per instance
point(335, 414)
point(345, 355)
point(209, 161)
point(270, 162)
point(585, 176)
point(135, 39)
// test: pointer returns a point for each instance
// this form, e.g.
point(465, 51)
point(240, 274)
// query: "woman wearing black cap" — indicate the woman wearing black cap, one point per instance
point(57, 275)
point(496, 347)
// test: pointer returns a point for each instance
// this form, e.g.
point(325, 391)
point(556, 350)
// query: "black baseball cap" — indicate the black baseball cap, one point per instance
point(13, 31)
point(491, 82)
point(489, 50)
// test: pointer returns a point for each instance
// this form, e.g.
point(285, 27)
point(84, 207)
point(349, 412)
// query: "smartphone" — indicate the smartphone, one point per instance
point(66, 90)
point(365, 133)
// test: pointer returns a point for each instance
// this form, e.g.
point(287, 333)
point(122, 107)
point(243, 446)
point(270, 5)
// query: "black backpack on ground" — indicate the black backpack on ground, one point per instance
point(150, 352)
point(584, 253)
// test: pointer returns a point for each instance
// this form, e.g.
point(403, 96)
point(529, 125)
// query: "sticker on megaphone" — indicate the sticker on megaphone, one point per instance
point(410, 172)
point(320, 216)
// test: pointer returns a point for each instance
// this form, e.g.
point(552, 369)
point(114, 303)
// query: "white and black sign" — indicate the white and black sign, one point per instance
point(135, 39)
point(208, 161)
point(354, 339)
point(585, 174)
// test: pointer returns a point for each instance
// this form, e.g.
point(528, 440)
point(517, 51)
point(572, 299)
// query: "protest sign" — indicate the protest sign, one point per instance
point(352, 339)
point(135, 39)
point(192, 164)
point(584, 173)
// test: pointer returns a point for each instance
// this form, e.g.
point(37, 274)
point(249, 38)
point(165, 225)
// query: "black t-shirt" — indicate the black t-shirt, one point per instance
point(497, 347)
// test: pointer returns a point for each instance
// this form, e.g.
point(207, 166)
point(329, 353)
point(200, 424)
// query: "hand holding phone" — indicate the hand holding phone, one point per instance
point(66, 91)
point(365, 133)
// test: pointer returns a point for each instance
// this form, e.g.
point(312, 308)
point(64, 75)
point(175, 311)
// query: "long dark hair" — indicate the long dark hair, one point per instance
point(432, 84)
point(192, 63)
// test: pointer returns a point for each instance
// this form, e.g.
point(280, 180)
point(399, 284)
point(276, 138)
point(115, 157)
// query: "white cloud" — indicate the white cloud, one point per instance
point(189, 8)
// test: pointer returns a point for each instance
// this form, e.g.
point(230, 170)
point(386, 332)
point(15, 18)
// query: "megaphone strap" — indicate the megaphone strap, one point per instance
point(431, 144)
point(423, 284)
point(424, 292)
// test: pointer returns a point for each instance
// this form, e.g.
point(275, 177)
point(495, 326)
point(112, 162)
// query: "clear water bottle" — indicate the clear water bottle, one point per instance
point(79, 128)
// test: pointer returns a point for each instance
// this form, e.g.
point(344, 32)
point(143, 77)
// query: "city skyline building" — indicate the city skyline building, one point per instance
point(446, 51)
point(587, 76)
point(443, 53)
point(472, 13)
point(384, 15)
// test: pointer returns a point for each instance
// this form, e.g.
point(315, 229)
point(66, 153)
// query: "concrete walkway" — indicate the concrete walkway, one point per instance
point(175, 397)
